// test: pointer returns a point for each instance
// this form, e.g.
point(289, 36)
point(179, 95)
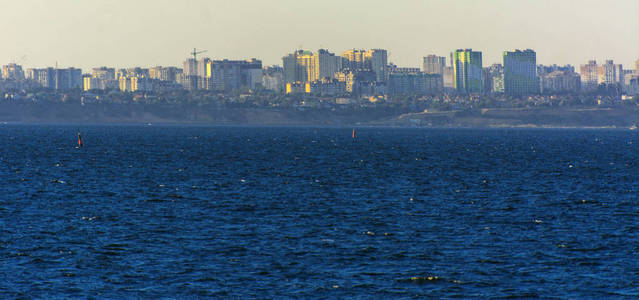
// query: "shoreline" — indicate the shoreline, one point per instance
point(621, 117)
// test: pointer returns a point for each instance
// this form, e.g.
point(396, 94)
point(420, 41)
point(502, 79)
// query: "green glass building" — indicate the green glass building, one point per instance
point(467, 71)
point(520, 72)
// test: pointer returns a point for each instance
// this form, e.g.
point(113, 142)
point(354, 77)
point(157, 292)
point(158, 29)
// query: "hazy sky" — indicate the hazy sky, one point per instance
point(124, 33)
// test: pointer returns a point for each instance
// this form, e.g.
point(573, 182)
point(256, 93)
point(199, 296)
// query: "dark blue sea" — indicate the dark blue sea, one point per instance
point(241, 212)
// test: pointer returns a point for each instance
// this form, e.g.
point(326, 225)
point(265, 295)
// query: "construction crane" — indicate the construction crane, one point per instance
point(195, 53)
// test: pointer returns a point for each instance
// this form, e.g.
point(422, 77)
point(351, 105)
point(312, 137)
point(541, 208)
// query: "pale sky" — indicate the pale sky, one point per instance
point(126, 33)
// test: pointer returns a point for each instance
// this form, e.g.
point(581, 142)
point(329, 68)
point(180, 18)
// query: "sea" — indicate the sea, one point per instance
point(196, 212)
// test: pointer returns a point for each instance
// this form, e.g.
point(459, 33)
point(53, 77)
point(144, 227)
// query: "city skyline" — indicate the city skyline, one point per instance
point(95, 33)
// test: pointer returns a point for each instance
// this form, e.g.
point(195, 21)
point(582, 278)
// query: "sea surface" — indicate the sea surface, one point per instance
point(245, 212)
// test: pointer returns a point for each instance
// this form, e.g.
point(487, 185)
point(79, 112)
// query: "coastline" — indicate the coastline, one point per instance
point(620, 117)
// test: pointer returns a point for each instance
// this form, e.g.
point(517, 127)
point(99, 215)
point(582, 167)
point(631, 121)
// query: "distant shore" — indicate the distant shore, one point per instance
point(538, 117)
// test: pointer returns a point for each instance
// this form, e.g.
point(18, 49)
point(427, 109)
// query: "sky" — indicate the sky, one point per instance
point(127, 33)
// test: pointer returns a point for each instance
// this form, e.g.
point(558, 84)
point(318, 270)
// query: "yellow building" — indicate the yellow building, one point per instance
point(375, 60)
point(307, 66)
point(298, 87)
point(88, 83)
point(348, 78)
point(134, 84)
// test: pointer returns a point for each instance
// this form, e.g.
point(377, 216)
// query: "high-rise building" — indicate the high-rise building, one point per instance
point(324, 65)
point(66, 79)
point(494, 79)
point(44, 77)
point(467, 68)
point(520, 72)
point(103, 73)
point(30, 74)
point(375, 60)
point(89, 83)
point(273, 78)
point(637, 66)
point(592, 74)
point(356, 60)
point(417, 83)
point(100, 79)
point(205, 73)
point(379, 63)
point(137, 72)
point(165, 73)
point(632, 86)
point(137, 83)
point(306, 66)
point(609, 73)
point(589, 75)
point(12, 72)
point(59, 79)
point(190, 79)
point(434, 64)
point(235, 75)
point(449, 78)
point(295, 66)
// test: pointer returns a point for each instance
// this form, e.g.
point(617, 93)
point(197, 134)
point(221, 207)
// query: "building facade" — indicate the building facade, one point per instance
point(449, 78)
point(434, 64)
point(12, 72)
point(520, 72)
point(306, 66)
point(236, 75)
point(589, 75)
point(273, 78)
point(295, 66)
point(609, 73)
point(559, 82)
point(416, 83)
point(324, 65)
point(375, 60)
point(190, 78)
point(467, 68)
point(165, 73)
point(494, 79)
point(59, 79)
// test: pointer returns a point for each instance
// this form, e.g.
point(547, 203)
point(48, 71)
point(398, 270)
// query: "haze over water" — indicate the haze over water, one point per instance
point(239, 212)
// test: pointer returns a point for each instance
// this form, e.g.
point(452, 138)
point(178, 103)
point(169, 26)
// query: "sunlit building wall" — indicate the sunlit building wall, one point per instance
point(375, 60)
point(467, 68)
point(434, 64)
point(589, 75)
point(609, 73)
point(12, 72)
